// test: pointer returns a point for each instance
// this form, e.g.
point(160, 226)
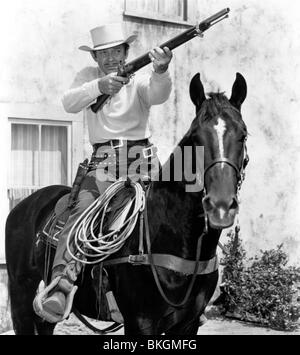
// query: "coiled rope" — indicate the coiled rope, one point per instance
point(91, 248)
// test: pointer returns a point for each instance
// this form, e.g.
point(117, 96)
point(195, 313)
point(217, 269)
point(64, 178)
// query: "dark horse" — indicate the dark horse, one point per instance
point(176, 220)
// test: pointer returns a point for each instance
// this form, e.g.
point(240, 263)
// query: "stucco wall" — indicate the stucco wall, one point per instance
point(260, 39)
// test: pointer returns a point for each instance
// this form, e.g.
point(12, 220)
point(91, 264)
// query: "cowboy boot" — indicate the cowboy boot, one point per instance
point(55, 303)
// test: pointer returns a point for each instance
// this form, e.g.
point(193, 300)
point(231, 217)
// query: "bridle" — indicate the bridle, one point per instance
point(240, 171)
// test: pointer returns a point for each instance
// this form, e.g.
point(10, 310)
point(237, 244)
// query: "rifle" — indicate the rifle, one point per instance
point(128, 69)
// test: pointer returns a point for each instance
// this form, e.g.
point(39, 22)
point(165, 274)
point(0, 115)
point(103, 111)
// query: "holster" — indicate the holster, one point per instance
point(82, 170)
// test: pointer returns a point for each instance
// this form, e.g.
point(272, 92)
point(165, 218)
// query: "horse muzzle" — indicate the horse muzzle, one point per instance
point(221, 214)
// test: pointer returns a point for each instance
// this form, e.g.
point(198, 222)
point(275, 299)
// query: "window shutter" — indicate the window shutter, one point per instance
point(193, 15)
point(172, 10)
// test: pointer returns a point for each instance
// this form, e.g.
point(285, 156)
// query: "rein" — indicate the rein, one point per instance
point(154, 271)
point(110, 329)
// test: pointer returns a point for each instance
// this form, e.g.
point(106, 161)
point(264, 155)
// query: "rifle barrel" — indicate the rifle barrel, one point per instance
point(218, 15)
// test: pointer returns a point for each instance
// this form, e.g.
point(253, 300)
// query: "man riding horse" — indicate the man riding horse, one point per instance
point(121, 124)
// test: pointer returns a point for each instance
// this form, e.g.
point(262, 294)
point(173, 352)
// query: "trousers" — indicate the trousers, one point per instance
point(112, 164)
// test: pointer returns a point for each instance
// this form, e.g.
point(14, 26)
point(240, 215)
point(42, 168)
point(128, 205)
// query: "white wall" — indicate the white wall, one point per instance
point(39, 58)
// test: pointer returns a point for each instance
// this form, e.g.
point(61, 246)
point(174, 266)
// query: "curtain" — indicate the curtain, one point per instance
point(53, 163)
point(24, 155)
point(39, 158)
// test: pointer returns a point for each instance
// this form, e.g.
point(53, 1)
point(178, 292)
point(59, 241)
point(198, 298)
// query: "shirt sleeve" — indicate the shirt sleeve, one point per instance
point(82, 93)
point(156, 89)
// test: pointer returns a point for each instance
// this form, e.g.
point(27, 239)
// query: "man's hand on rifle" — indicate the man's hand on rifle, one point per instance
point(160, 59)
point(111, 84)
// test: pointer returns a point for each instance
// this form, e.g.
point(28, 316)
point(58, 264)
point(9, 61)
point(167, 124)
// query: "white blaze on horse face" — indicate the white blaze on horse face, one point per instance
point(222, 213)
point(220, 128)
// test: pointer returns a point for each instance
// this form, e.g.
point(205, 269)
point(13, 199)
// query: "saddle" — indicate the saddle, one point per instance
point(115, 217)
point(56, 221)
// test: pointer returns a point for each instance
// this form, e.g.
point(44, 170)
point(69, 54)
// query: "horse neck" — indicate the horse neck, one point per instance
point(176, 217)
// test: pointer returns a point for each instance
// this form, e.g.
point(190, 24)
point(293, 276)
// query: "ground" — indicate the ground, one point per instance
point(217, 326)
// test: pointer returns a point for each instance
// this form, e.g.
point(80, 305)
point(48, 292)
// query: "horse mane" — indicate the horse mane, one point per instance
point(214, 105)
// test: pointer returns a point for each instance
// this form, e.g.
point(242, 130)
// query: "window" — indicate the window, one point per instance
point(39, 157)
point(174, 11)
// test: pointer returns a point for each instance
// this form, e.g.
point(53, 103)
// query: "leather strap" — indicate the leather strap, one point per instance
point(170, 262)
point(226, 161)
point(110, 329)
point(120, 142)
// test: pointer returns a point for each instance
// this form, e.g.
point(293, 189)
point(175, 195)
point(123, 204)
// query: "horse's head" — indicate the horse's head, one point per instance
point(219, 127)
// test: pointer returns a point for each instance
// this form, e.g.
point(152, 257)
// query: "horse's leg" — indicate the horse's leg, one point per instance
point(43, 327)
point(189, 318)
point(187, 321)
point(25, 321)
point(139, 326)
point(22, 311)
point(189, 327)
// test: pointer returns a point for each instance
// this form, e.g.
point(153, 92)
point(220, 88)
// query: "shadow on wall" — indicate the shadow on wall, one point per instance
point(5, 319)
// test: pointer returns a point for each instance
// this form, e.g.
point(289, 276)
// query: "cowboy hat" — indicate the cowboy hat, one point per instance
point(108, 36)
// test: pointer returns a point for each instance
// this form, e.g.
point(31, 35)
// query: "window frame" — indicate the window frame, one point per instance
point(156, 18)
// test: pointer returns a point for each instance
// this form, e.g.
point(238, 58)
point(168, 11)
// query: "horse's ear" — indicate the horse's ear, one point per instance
point(197, 91)
point(239, 91)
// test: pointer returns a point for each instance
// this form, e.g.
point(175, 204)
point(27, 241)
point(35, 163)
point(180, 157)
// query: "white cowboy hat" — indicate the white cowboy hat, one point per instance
point(108, 36)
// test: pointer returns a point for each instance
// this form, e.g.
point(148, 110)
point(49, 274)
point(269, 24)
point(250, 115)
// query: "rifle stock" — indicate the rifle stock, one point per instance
point(143, 60)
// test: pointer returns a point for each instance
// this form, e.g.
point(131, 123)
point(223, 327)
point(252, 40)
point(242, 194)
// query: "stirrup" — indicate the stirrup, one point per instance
point(41, 296)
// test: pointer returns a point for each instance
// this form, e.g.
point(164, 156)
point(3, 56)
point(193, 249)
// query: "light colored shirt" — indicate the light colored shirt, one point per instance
point(126, 114)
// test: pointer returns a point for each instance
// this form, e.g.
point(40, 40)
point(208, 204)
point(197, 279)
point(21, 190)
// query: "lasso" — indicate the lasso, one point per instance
point(90, 246)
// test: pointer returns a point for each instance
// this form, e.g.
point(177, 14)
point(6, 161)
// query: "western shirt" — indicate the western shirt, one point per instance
point(126, 114)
